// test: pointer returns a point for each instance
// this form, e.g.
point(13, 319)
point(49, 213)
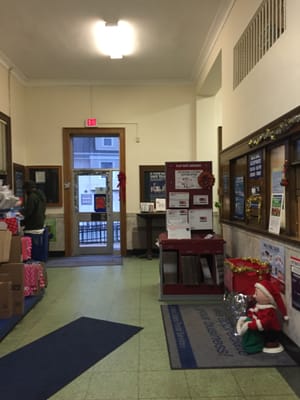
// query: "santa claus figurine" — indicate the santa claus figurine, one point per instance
point(260, 329)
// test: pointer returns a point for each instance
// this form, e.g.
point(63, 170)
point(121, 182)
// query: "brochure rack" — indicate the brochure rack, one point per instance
point(193, 263)
point(191, 266)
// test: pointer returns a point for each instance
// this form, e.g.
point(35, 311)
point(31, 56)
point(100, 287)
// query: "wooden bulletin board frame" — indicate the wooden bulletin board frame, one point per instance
point(49, 180)
point(18, 179)
point(149, 175)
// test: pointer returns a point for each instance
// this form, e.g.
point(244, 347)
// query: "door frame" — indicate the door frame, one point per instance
point(68, 134)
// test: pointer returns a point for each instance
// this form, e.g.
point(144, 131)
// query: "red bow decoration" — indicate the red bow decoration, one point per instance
point(206, 180)
point(122, 185)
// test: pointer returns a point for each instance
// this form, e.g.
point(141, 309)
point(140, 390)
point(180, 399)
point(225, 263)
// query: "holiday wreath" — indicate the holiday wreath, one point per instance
point(206, 180)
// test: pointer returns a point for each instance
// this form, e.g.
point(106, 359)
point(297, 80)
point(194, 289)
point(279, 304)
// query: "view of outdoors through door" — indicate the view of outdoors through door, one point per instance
point(96, 200)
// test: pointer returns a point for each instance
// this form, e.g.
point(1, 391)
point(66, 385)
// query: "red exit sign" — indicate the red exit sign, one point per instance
point(90, 122)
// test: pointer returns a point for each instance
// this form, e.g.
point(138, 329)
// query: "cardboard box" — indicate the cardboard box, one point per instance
point(16, 275)
point(5, 239)
point(6, 301)
point(15, 255)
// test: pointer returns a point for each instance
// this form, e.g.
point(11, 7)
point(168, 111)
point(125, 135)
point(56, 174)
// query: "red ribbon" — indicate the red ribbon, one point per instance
point(122, 185)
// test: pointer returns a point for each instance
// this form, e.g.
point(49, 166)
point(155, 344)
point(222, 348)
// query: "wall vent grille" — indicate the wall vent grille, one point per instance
point(267, 25)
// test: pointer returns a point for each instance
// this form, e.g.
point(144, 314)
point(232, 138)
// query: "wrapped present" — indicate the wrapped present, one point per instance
point(241, 274)
point(31, 280)
point(12, 224)
point(26, 242)
point(34, 278)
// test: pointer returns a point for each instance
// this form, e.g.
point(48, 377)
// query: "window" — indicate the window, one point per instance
point(107, 142)
point(96, 152)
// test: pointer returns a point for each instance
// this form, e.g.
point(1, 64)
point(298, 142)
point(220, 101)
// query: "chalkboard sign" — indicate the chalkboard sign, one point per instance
point(48, 179)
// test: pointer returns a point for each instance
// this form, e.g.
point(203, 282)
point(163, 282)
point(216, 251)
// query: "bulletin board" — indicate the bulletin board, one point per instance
point(18, 180)
point(49, 180)
point(152, 182)
point(189, 184)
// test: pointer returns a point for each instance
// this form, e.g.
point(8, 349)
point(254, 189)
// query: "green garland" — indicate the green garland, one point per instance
point(273, 134)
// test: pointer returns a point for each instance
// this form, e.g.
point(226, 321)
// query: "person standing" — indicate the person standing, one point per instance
point(34, 211)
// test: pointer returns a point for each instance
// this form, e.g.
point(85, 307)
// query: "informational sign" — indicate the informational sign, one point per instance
point(274, 255)
point(200, 219)
point(157, 184)
point(187, 179)
point(177, 217)
point(295, 277)
point(195, 179)
point(255, 163)
point(100, 202)
point(179, 200)
point(200, 199)
point(275, 212)
point(239, 197)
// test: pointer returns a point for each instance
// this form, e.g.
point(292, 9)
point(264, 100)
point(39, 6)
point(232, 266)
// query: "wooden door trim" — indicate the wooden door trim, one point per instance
point(68, 133)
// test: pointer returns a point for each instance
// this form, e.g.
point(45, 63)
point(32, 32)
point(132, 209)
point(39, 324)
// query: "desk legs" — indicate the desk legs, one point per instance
point(149, 238)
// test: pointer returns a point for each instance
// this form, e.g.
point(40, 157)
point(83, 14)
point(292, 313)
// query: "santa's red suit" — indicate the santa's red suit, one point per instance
point(261, 326)
point(263, 317)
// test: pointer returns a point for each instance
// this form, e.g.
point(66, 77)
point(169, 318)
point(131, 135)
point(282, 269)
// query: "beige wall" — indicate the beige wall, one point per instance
point(208, 119)
point(270, 90)
point(159, 123)
point(4, 92)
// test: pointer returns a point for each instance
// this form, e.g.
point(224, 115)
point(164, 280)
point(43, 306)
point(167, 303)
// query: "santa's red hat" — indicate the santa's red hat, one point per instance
point(273, 293)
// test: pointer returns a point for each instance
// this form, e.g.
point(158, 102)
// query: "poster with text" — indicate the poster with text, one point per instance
point(274, 255)
point(295, 278)
point(239, 197)
point(275, 212)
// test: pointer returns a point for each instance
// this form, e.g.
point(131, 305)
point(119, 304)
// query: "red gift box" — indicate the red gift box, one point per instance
point(241, 274)
point(12, 224)
point(26, 243)
point(34, 279)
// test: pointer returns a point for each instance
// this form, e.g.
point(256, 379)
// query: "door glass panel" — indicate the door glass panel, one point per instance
point(93, 152)
point(93, 216)
point(115, 192)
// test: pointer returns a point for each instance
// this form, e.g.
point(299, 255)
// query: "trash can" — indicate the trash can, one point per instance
point(40, 245)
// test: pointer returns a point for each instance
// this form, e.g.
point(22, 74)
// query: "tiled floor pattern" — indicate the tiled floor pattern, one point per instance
point(139, 369)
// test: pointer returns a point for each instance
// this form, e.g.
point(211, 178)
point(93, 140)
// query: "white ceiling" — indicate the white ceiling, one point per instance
point(51, 40)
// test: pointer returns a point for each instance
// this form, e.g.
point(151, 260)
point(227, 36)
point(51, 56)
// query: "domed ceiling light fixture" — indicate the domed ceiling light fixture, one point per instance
point(114, 40)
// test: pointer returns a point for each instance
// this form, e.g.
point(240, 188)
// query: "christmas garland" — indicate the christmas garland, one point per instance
point(248, 264)
point(206, 180)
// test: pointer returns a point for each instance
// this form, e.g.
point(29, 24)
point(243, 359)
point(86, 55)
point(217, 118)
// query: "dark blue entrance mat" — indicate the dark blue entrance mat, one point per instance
point(41, 368)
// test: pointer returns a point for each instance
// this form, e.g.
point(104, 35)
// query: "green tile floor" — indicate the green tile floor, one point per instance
point(139, 369)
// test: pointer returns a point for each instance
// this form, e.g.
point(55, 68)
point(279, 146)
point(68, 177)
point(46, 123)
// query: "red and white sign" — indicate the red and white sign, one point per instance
point(91, 122)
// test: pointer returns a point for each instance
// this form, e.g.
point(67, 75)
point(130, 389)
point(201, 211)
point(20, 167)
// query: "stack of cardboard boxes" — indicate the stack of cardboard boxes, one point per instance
point(11, 275)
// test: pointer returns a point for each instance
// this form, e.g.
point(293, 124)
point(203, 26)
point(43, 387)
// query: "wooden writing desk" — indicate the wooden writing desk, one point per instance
point(149, 217)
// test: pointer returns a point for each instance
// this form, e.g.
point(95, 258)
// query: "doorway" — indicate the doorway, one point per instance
point(94, 204)
point(96, 212)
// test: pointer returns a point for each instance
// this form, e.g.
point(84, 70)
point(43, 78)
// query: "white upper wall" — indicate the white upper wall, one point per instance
point(159, 123)
point(271, 88)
